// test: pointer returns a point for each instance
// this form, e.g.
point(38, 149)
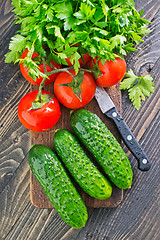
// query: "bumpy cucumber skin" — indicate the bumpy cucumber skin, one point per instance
point(96, 137)
point(55, 182)
point(80, 166)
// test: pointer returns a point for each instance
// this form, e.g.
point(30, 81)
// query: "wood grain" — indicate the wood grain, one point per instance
point(138, 216)
point(38, 197)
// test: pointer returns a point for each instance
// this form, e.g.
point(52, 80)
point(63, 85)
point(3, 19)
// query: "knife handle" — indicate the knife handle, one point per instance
point(129, 139)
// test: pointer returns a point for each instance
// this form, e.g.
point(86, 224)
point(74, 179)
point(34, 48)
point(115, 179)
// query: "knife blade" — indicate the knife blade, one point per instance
point(108, 108)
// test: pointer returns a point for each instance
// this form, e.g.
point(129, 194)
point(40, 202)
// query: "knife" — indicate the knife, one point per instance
point(108, 108)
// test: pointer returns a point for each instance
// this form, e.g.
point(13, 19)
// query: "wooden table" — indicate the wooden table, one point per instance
point(138, 216)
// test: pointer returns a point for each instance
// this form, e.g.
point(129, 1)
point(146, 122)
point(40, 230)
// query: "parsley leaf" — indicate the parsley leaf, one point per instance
point(138, 87)
point(17, 44)
point(105, 9)
point(86, 12)
point(129, 81)
point(64, 11)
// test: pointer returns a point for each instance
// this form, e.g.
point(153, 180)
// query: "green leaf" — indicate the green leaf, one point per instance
point(129, 81)
point(137, 38)
point(17, 45)
point(126, 3)
point(27, 21)
point(143, 30)
point(76, 84)
point(64, 9)
point(37, 11)
point(77, 88)
point(50, 29)
point(12, 57)
point(16, 3)
point(147, 85)
point(39, 103)
point(117, 40)
point(105, 8)
point(86, 12)
point(33, 68)
point(95, 70)
point(98, 15)
point(39, 32)
point(101, 24)
point(80, 77)
point(102, 31)
point(129, 47)
point(131, 3)
point(138, 87)
point(136, 95)
point(49, 14)
point(58, 33)
point(70, 22)
point(78, 36)
point(74, 60)
point(62, 55)
point(105, 44)
point(123, 20)
point(89, 2)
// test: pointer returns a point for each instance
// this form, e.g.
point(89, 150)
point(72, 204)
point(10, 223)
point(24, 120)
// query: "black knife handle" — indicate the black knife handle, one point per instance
point(130, 141)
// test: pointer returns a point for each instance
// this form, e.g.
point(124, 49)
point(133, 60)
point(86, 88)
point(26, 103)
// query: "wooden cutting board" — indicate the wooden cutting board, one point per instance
point(37, 195)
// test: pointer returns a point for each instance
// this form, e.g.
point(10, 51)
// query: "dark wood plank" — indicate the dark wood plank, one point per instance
point(38, 197)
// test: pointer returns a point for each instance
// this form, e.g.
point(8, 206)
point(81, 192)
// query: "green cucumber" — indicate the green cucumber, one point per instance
point(52, 176)
point(80, 166)
point(96, 137)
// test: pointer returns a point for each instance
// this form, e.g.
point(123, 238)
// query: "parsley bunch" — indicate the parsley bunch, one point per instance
point(57, 29)
point(103, 28)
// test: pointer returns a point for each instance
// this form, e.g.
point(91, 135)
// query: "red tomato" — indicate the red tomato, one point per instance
point(65, 94)
point(40, 119)
point(86, 59)
point(112, 72)
point(25, 70)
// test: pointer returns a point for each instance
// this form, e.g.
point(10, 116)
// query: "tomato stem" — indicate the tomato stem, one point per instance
point(87, 70)
point(39, 95)
point(72, 76)
point(59, 70)
point(51, 65)
point(63, 70)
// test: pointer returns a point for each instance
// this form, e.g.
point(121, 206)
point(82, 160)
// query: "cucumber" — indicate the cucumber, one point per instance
point(55, 182)
point(96, 137)
point(80, 166)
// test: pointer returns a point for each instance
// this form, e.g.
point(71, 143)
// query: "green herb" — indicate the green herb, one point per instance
point(100, 27)
point(138, 87)
point(45, 98)
point(59, 29)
